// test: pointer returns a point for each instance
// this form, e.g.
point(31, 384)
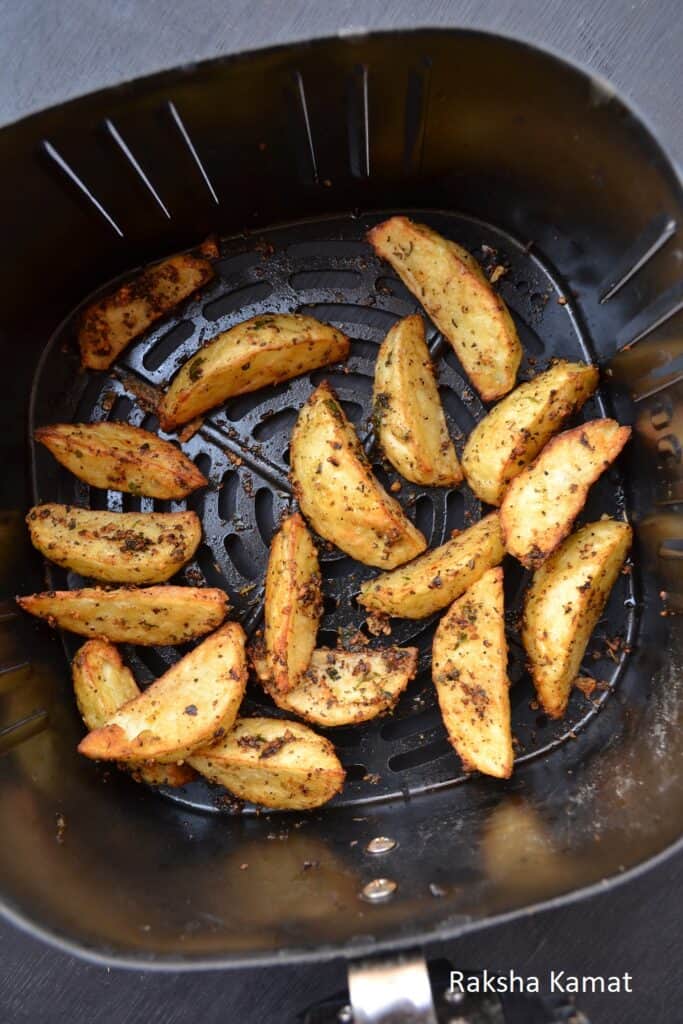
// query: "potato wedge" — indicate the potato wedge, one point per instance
point(119, 457)
point(469, 668)
point(563, 604)
point(117, 547)
point(338, 492)
point(155, 615)
point(196, 701)
point(266, 349)
point(293, 603)
point(541, 504)
point(515, 430)
point(102, 684)
point(344, 687)
point(436, 578)
point(454, 290)
point(409, 421)
point(109, 324)
point(278, 764)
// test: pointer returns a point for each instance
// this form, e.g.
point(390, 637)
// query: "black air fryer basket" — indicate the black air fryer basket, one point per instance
point(289, 155)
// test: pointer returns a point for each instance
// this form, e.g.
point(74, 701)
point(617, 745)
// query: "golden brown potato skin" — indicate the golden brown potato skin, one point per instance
point(515, 430)
point(344, 687)
point(194, 702)
point(338, 492)
point(116, 456)
point(409, 421)
point(453, 289)
point(563, 604)
point(149, 616)
point(541, 504)
point(115, 547)
point(102, 684)
point(266, 349)
point(108, 325)
point(293, 603)
point(278, 764)
point(469, 669)
point(438, 577)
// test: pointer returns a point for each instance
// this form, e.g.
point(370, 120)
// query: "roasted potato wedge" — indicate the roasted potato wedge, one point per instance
point(102, 684)
point(118, 457)
point(116, 547)
point(338, 492)
point(278, 764)
point(469, 668)
point(409, 421)
point(111, 323)
point(563, 604)
point(155, 615)
point(436, 578)
point(454, 290)
point(515, 430)
point(293, 603)
point(196, 701)
point(265, 350)
point(541, 504)
point(344, 687)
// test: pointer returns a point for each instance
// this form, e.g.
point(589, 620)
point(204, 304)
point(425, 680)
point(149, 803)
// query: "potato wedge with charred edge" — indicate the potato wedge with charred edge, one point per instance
point(116, 456)
point(116, 547)
point(338, 492)
point(409, 421)
point(515, 430)
point(266, 349)
point(109, 324)
point(469, 668)
point(278, 764)
point(150, 616)
point(563, 604)
point(102, 684)
point(196, 701)
point(344, 687)
point(436, 578)
point(541, 504)
point(293, 603)
point(453, 289)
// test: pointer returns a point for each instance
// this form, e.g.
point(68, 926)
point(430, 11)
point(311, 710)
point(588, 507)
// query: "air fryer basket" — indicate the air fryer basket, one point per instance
point(290, 155)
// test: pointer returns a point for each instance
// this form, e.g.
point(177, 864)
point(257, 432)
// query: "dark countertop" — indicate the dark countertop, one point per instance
point(51, 51)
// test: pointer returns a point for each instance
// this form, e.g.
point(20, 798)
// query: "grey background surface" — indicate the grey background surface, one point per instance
point(51, 50)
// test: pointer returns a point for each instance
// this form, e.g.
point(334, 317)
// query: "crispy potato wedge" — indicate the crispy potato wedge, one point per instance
point(515, 430)
point(278, 764)
point(265, 350)
point(541, 504)
point(469, 668)
point(563, 604)
point(116, 547)
point(436, 578)
point(109, 324)
point(293, 603)
point(338, 492)
point(102, 684)
point(409, 421)
point(344, 687)
point(454, 290)
point(119, 457)
point(196, 701)
point(155, 615)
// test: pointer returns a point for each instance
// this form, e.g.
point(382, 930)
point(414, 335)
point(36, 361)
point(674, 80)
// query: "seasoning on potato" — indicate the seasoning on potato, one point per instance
point(266, 349)
point(338, 492)
point(563, 604)
point(456, 294)
point(469, 669)
point(541, 504)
